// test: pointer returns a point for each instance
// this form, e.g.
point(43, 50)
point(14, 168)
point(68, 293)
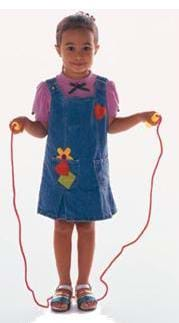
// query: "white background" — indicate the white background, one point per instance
point(139, 52)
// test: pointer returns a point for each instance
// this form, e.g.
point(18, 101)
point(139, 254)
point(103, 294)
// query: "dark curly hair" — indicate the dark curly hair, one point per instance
point(78, 20)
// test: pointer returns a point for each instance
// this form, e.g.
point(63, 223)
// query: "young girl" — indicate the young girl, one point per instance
point(75, 110)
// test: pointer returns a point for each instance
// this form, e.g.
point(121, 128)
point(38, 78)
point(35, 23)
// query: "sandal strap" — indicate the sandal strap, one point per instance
point(60, 299)
point(84, 293)
point(82, 286)
point(67, 287)
point(86, 298)
point(63, 294)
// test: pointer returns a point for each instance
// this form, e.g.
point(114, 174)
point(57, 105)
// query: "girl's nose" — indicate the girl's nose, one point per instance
point(78, 57)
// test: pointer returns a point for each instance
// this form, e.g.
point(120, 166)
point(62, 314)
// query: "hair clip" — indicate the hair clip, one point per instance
point(85, 14)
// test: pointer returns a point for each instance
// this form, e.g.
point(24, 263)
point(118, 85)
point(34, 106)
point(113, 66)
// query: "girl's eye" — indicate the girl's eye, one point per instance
point(86, 48)
point(71, 48)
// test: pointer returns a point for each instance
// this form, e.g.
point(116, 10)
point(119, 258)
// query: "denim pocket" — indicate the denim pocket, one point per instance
point(101, 167)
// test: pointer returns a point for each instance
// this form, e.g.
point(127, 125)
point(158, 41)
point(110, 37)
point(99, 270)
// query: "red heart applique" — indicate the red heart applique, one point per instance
point(99, 111)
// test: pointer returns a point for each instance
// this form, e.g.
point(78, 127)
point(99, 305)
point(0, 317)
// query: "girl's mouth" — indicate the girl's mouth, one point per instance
point(78, 64)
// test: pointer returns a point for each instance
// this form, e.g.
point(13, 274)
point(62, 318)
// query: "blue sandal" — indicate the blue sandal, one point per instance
point(85, 298)
point(61, 301)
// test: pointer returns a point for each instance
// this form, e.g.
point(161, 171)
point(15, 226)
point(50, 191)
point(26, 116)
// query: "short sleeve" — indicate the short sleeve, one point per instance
point(41, 104)
point(112, 99)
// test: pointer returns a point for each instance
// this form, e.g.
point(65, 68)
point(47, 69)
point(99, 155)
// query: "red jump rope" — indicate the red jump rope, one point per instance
point(156, 119)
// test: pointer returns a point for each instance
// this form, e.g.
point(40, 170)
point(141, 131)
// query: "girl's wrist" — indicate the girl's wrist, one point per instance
point(143, 116)
point(140, 117)
point(26, 122)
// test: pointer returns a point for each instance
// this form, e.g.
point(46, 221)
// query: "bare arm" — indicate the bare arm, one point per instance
point(124, 123)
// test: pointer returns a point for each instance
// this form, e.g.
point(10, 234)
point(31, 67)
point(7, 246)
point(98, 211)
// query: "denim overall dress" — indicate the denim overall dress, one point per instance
point(75, 182)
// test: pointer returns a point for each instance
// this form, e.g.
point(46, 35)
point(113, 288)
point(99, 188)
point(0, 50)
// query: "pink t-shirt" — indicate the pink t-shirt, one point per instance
point(42, 100)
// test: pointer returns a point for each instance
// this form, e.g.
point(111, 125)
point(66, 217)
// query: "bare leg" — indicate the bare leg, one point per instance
point(86, 245)
point(62, 248)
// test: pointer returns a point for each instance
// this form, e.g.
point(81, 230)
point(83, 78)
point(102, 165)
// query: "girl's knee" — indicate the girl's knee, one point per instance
point(64, 227)
point(85, 227)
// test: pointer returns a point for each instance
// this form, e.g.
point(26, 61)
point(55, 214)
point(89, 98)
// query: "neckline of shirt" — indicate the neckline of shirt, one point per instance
point(68, 79)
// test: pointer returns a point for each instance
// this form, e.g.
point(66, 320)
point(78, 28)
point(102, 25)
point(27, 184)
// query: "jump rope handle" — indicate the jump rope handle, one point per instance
point(16, 127)
point(154, 119)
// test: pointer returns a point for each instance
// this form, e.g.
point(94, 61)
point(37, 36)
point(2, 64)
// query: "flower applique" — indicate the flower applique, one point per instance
point(99, 111)
point(64, 154)
point(66, 177)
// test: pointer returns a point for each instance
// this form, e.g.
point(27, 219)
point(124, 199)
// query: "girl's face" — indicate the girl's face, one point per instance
point(77, 49)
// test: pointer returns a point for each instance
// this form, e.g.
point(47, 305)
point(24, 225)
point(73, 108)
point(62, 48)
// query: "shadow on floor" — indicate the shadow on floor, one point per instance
point(74, 315)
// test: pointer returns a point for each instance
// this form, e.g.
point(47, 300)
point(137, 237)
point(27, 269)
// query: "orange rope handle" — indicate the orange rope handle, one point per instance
point(148, 218)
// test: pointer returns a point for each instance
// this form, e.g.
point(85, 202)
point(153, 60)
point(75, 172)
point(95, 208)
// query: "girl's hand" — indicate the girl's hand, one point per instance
point(147, 117)
point(17, 125)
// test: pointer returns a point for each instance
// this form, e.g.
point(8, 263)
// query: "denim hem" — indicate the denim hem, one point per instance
point(77, 219)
